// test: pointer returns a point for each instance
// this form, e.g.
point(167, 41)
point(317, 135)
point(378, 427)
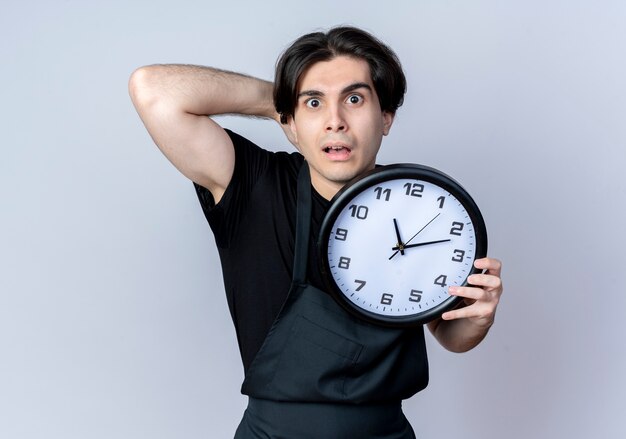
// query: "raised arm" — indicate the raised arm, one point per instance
point(174, 101)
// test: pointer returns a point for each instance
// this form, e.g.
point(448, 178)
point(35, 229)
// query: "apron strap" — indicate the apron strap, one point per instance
point(303, 223)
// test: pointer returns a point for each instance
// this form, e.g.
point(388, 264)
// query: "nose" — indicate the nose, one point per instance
point(336, 121)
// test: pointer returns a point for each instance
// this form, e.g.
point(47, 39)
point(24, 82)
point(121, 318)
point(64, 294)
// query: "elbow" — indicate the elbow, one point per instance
point(142, 86)
point(458, 349)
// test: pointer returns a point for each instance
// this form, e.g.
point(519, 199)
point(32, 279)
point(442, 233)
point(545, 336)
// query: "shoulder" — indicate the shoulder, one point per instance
point(254, 162)
point(249, 149)
point(259, 175)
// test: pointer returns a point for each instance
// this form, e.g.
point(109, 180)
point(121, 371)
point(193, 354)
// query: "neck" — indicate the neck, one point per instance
point(325, 188)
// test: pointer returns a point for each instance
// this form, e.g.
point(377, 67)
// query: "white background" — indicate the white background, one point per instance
point(113, 319)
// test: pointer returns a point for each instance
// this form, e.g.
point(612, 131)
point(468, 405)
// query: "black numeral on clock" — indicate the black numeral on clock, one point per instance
point(341, 234)
point(380, 192)
point(441, 200)
point(414, 190)
point(344, 262)
point(359, 212)
point(456, 228)
point(441, 280)
point(361, 284)
point(386, 299)
point(459, 255)
point(416, 296)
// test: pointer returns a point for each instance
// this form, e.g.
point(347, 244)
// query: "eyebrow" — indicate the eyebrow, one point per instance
point(347, 89)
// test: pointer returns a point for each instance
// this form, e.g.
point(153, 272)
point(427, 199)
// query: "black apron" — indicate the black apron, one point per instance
point(322, 373)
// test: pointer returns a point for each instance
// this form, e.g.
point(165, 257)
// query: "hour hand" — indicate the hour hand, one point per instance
point(400, 246)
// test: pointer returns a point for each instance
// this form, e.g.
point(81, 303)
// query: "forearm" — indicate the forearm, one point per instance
point(459, 335)
point(203, 90)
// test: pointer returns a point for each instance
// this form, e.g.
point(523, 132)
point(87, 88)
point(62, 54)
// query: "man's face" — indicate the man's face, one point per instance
point(338, 124)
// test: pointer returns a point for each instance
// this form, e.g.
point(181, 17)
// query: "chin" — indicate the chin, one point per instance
point(343, 176)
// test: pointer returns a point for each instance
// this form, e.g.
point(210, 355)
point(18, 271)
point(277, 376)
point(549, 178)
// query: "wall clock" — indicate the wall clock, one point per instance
point(394, 240)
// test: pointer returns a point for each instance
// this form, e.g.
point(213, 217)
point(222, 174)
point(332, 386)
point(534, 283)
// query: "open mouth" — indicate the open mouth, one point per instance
point(337, 150)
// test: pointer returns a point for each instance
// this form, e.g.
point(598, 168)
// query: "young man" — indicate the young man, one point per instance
point(311, 370)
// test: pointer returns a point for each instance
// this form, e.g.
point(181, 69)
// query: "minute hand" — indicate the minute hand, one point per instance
point(419, 244)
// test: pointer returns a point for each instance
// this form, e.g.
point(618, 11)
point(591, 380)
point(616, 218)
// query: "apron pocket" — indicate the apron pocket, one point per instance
point(314, 363)
point(325, 339)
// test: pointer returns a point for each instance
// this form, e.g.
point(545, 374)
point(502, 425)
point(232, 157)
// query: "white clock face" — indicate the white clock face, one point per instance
point(396, 248)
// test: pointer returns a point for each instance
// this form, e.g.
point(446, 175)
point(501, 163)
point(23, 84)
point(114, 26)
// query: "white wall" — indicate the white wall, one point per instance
point(113, 321)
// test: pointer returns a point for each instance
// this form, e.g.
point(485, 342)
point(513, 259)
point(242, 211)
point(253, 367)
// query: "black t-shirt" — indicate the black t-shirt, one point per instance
point(254, 226)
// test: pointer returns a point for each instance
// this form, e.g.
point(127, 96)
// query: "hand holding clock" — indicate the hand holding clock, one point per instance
point(462, 329)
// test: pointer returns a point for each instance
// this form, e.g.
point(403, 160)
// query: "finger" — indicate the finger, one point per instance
point(492, 265)
point(475, 311)
point(454, 315)
point(461, 313)
point(467, 292)
point(485, 280)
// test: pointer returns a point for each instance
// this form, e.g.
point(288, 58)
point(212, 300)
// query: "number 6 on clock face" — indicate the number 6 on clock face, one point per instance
point(394, 241)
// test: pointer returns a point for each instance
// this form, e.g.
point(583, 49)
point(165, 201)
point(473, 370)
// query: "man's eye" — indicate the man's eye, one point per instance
point(313, 103)
point(355, 99)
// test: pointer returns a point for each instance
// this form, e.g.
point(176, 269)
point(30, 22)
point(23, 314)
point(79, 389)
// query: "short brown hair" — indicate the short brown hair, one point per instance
point(385, 68)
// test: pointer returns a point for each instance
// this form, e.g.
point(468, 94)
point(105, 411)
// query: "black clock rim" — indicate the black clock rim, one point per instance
point(378, 175)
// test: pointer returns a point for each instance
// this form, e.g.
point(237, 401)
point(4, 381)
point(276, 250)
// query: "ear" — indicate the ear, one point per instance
point(387, 121)
point(293, 138)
